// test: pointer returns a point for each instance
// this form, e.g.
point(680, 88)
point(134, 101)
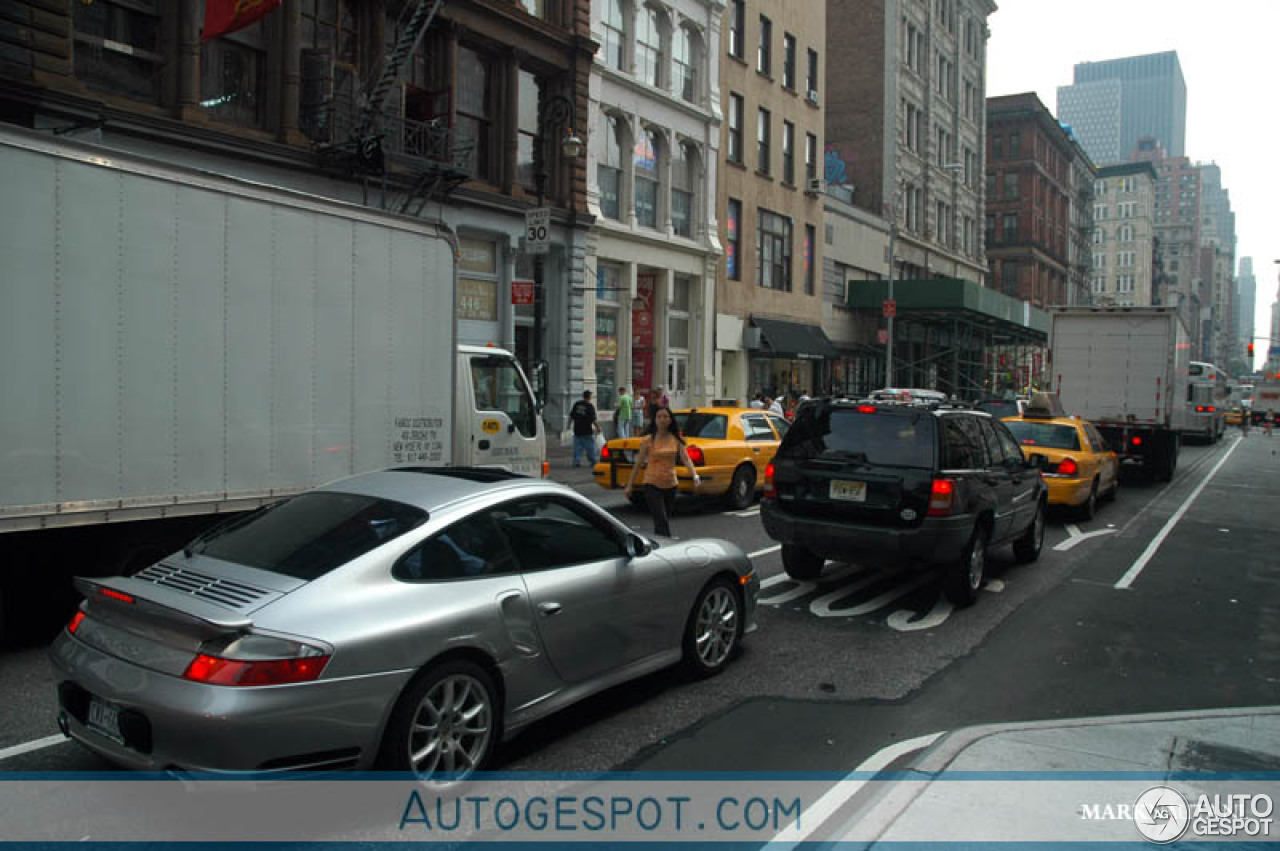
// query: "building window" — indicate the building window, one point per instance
point(764, 54)
point(1010, 186)
point(788, 61)
point(733, 238)
point(233, 77)
point(683, 181)
point(1099, 236)
point(811, 78)
point(537, 8)
point(615, 34)
point(737, 28)
point(530, 97)
point(735, 128)
point(678, 316)
point(1010, 227)
point(117, 47)
point(475, 109)
point(1009, 278)
point(940, 212)
point(1099, 212)
point(788, 153)
point(997, 147)
point(609, 171)
point(648, 169)
point(687, 57)
point(968, 235)
point(763, 121)
point(911, 201)
point(773, 251)
point(649, 46)
point(990, 233)
point(1125, 234)
point(913, 126)
point(1015, 144)
point(477, 280)
point(810, 156)
point(810, 237)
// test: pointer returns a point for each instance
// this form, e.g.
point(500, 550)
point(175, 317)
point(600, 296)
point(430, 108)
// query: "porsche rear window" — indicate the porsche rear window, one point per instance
point(1048, 435)
point(310, 535)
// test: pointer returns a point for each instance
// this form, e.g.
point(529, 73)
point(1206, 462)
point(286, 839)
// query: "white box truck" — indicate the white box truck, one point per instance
point(1125, 369)
point(178, 345)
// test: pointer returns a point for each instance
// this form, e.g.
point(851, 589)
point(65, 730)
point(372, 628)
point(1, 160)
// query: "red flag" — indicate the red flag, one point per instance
point(227, 16)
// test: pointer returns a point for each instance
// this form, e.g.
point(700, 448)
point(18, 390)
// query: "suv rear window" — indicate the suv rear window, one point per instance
point(886, 437)
point(309, 535)
point(1048, 435)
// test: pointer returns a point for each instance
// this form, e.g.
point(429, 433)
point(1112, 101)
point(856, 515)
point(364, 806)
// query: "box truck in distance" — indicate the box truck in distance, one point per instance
point(178, 345)
point(1125, 369)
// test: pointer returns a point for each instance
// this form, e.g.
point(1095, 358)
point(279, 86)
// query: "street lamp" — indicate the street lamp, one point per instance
point(556, 112)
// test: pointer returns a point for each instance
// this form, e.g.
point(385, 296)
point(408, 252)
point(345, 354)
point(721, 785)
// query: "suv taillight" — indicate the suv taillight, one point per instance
point(770, 489)
point(941, 497)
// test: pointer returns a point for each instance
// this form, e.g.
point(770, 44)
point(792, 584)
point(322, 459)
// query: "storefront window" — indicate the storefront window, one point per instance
point(478, 280)
point(606, 358)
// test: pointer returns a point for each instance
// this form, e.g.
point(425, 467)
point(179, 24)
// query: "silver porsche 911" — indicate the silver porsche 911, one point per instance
point(408, 620)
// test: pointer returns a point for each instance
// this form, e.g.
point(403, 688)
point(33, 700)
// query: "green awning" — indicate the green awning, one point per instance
point(953, 298)
point(794, 339)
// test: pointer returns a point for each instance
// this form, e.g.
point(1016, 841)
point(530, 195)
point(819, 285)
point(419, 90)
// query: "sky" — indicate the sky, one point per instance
point(1230, 56)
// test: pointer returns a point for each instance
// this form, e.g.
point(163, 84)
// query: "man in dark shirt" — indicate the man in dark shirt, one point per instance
point(583, 416)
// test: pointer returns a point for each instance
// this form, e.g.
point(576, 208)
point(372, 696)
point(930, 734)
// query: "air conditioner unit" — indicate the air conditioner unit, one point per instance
point(816, 185)
point(813, 96)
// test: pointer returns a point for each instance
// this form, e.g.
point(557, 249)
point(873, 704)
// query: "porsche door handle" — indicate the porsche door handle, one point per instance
point(549, 609)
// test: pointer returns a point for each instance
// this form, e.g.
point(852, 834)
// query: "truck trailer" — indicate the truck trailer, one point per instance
point(1125, 369)
point(180, 345)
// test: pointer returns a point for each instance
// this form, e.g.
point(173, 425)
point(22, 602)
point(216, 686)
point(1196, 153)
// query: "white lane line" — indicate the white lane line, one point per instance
point(746, 512)
point(28, 747)
point(1079, 538)
point(765, 551)
point(1132, 573)
point(844, 790)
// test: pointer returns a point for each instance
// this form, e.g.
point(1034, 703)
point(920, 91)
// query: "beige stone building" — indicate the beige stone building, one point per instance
point(1123, 235)
point(769, 292)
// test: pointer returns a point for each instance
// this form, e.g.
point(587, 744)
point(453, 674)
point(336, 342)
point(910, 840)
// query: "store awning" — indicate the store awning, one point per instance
point(793, 339)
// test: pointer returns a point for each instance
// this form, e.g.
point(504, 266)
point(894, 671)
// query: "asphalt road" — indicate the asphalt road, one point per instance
point(843, 667)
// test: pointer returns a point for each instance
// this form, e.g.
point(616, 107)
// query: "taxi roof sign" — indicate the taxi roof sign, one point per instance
point(1044, 406)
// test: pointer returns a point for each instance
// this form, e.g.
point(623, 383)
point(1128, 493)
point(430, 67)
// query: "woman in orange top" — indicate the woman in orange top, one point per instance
point(662, 449)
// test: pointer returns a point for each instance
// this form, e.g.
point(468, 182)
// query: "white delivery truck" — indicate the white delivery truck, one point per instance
point(178, 345)
point(1125, 369)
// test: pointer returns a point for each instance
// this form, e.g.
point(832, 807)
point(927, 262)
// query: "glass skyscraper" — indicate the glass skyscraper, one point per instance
point(1113, 103)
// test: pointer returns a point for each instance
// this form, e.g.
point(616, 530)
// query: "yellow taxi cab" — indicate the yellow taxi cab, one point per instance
point(1080, 468)
point(1234, 416)
point(729, 447)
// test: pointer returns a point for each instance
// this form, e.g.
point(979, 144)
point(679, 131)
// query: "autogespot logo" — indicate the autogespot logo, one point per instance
point(1161, 814)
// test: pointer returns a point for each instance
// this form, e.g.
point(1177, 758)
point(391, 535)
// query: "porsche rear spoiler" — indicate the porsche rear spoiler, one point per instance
point(156, 603)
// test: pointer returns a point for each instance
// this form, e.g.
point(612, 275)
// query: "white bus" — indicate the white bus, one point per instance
point(1207, 401)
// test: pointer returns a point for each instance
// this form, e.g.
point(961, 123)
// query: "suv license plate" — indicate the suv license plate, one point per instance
point(849, 491)
point(105, 718)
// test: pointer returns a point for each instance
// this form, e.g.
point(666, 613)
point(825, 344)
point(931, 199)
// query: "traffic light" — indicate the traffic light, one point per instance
point(1250, 350)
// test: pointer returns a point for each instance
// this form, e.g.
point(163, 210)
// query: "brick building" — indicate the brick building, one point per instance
point(1029, 199)
point(461, 119)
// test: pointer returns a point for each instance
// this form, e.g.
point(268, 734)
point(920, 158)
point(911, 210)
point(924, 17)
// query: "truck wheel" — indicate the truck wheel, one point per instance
point(742, 489)
point(964, 577)
point(801, 564)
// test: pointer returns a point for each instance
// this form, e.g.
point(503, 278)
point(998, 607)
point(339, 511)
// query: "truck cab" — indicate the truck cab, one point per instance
point(496, 421)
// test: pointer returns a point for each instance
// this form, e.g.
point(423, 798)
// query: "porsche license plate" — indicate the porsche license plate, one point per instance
point(849, 491)
point(105, 718)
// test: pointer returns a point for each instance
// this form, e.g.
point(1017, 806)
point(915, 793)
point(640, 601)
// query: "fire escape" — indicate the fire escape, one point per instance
point(357, 136)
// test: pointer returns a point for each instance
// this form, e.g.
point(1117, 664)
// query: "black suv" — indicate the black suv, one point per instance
point(934, 485)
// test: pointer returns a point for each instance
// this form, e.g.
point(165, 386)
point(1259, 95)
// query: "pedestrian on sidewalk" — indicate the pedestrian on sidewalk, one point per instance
point(662, 449)
point(622, 416)
point(583, 416)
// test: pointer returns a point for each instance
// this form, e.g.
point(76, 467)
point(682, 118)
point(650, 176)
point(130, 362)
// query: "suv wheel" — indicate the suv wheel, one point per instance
point(1027, 548)
point(801, 564)
point(963, 579)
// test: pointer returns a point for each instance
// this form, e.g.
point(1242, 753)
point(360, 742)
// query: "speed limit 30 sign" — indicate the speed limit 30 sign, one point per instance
point(537, 230)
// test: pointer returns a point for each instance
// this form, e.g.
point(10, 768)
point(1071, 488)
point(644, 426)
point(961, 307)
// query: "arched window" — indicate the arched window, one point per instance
point(648, 170)
point(649, 59)
point(615, 34)
point(684, 183)
point(609, 171)
point(687, 57)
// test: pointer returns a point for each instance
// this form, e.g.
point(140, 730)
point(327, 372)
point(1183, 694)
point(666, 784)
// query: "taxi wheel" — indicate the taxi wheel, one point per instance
point(742, 489)
point(1115, 488)
point(1090, 506)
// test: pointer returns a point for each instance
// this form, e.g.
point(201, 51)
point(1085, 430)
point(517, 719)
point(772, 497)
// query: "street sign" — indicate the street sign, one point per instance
point(890, 308)
point(537, 230)
point(521, 292)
